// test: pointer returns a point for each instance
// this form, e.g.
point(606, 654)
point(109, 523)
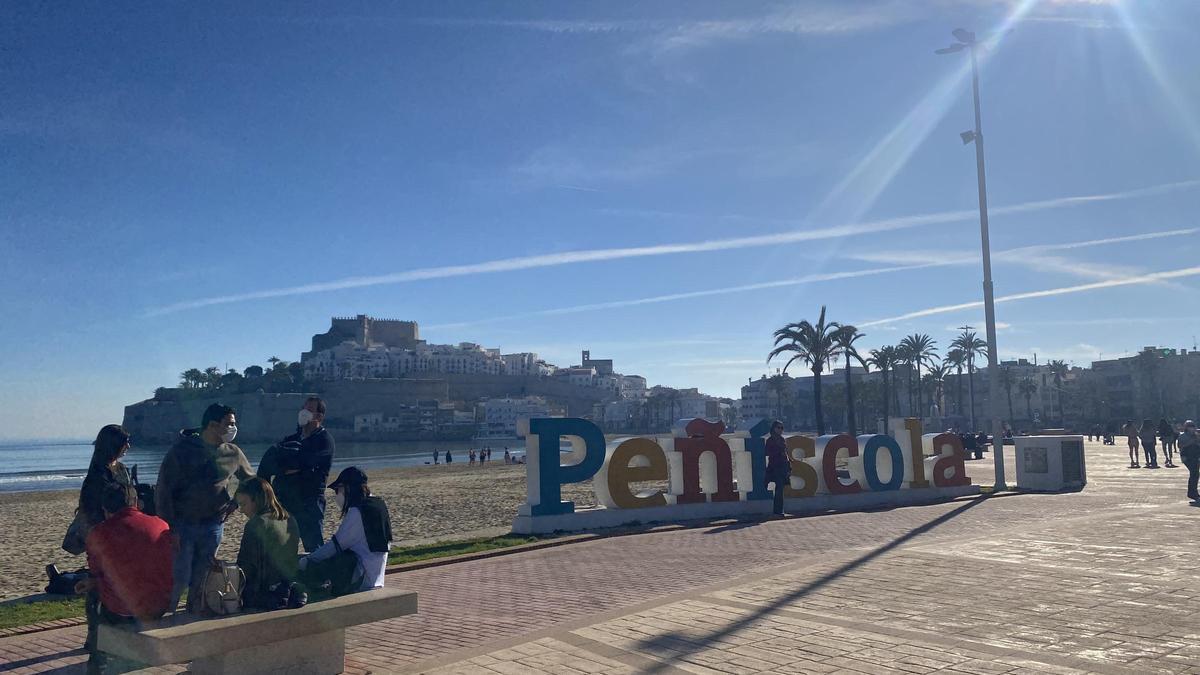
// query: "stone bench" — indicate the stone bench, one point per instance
point(311, 639)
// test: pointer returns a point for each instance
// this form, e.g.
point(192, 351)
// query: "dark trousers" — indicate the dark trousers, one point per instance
point(98, 661)
point(778, 506)
point(1151, 454)
point(310, 516)
point(1192, 461)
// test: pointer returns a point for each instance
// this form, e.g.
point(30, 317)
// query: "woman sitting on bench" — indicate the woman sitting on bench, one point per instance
point(355, 557)
point(270, 544)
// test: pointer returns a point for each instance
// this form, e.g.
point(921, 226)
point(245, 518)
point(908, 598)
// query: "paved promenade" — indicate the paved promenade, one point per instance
point(1104, 580)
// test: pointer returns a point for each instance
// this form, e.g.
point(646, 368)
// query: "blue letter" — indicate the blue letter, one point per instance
point(870, 456)
point(757, 447)
point(545, 475)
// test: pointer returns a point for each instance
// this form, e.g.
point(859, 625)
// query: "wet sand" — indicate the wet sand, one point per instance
point(433, 502)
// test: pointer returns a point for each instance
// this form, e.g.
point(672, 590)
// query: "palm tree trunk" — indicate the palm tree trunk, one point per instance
point(817, 402)
point(971, 391)
point(885, 399)
point(920, 398)
point(958, 391)
point(910, 391)
point(1011, 416)
point(849, 401)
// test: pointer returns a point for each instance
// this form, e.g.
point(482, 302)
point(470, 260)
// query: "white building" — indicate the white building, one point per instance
point(509, 417)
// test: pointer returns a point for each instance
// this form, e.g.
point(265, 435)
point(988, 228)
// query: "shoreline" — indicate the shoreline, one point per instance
point(457, 501)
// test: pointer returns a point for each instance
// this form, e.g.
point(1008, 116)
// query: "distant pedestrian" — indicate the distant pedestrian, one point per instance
point(1168, 435)
point(1189, 452)
point(507, 457)
point(449, 457)
point(436, 453)
point(471, 458)
point(1131, 437)
point(779, 469)
point(1147, 434)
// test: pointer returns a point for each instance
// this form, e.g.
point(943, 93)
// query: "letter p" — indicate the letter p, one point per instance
point(545, 474)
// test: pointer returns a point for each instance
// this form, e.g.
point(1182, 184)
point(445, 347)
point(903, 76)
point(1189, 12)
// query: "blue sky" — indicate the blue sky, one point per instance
point(662, 183)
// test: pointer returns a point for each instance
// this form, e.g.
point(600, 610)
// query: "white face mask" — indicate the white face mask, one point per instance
point(340, 498)
point(304, 417)
point(229, 435)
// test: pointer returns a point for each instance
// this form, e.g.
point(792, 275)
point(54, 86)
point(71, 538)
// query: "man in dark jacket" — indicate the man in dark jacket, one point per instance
point(298, 468)
point(195, 495)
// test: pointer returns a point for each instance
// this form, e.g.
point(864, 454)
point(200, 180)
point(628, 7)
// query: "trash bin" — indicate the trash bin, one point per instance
point(1050, 463)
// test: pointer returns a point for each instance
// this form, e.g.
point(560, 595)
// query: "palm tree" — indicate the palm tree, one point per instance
point(884, 359)
point(845, 337)
point(811, 344)
point(1028, 387)
point(274, 360)
point(780, 385)
point(956, 359)
point(1059, 370)
point(971, 345)
point(212, 377)
point(921, 352)
point(937, 380)
point(1006, 380)
point(191, 378)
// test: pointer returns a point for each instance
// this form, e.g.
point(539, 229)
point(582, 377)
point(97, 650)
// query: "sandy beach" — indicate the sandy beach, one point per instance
point(425, 503)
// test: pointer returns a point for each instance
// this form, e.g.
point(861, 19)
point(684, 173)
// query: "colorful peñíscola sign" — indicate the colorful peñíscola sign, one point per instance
point(712, 474)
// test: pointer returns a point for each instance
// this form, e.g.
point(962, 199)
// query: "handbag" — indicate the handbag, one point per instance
point(75, 540)
point(223, 587)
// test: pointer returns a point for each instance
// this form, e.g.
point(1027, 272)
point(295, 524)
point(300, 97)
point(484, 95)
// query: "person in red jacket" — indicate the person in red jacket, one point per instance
point(129, 564)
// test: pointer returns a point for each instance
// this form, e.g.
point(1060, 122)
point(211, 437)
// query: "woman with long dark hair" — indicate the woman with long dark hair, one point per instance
point(104, 472)
point(1168, 435)
point(269, 547)
point(355, 557)
point(105, 469)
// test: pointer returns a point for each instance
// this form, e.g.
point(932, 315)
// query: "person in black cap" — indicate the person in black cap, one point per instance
point(355, 558)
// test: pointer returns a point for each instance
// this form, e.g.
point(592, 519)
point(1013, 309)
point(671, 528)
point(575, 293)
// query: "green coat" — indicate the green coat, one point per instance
point(268, 555)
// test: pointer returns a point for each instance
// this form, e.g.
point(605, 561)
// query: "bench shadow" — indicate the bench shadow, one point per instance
point(32, 661)
point(689, 645)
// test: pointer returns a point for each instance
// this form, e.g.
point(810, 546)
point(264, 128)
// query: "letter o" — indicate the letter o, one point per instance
point(870, 460)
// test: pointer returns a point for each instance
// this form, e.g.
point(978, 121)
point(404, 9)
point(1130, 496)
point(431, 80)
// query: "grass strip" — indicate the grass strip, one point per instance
point(23, 614)
point(408, 554)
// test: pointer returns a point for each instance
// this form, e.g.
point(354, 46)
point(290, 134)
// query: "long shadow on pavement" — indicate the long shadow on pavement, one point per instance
point(690, 645)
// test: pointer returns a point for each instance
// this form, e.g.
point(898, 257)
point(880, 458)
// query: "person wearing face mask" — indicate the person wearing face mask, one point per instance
point(359, 548)
point(299, 468)
point(195, 495)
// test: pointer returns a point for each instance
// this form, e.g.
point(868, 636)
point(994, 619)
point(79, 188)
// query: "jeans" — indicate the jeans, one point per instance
point(1151, 455)
point(778, 510)
point(198, 544)
point(310, 515)
point(98, 661)
point(1192, 461)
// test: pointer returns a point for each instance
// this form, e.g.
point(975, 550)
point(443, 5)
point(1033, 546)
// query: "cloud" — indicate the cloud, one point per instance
point(1046, 293)
point(596, 255)
point(902, 262)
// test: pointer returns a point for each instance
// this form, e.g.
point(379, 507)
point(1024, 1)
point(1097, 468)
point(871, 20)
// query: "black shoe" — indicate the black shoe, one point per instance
point(298, 597)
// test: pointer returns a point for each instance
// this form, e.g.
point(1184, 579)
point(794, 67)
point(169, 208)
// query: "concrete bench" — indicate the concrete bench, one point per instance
point(311, 639)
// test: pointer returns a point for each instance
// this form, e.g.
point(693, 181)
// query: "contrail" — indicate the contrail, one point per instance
point(595, 255)
point(807, 279)
point(903, 264)
point(1065, 290)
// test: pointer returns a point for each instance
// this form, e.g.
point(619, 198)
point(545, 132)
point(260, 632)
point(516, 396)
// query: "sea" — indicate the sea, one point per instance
point(40, 465)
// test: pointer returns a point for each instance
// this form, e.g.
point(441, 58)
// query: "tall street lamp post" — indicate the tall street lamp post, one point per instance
point(966, 42)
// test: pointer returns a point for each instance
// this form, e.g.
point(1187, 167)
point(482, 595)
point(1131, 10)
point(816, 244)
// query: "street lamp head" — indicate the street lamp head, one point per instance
point(964, 36)
point(956, 47)
point(967, 137)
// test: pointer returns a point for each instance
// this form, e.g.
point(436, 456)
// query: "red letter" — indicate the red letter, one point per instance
point(705, 437)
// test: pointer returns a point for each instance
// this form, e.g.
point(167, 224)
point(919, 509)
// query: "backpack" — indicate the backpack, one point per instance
point(223, 587)
point(145, 493)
